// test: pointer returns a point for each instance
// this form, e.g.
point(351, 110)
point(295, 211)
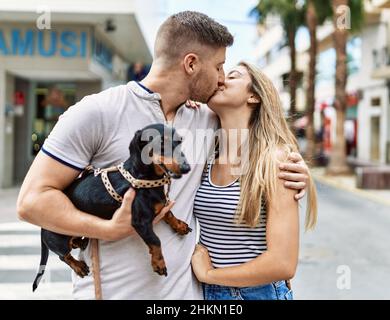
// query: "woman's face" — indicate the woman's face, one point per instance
point(234, 93)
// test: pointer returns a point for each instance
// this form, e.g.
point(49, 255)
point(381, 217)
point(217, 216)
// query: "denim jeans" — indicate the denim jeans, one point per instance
point(274, 291)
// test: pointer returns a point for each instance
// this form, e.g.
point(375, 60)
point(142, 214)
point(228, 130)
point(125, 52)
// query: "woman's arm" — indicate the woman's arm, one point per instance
point(280, 260)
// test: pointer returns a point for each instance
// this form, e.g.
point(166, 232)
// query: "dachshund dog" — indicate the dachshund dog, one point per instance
point(155, 158)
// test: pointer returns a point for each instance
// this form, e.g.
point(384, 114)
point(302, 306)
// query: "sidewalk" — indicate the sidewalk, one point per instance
point(348, 183)
point(20, 251)
point(20, 255)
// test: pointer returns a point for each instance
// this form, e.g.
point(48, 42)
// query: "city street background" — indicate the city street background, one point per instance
point(51, 56)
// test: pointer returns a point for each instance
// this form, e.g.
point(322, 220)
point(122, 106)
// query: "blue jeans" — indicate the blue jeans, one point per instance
point(274, 291)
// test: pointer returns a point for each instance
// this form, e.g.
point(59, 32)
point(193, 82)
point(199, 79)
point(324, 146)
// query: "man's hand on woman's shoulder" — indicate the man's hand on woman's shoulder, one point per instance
point(296, 173)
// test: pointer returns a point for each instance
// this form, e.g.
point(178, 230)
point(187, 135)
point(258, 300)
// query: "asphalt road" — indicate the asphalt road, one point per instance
point(348, 255)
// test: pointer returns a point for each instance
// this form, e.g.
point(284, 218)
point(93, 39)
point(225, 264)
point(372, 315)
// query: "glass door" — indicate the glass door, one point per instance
point(52, 100)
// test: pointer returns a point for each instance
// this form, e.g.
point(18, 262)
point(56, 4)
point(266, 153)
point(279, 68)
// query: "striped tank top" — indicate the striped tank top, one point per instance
point(228, 243)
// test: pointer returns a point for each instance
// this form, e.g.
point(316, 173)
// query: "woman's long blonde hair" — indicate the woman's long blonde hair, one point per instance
point(268, 133)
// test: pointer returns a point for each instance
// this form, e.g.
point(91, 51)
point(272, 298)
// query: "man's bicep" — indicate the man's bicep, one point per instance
point(48, 173)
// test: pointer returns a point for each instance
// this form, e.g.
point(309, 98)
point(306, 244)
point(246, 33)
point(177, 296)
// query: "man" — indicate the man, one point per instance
point(188, 64)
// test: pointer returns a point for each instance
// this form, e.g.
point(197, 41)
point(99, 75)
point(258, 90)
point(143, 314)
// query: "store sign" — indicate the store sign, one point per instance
point(47, 43)
point(102, 53)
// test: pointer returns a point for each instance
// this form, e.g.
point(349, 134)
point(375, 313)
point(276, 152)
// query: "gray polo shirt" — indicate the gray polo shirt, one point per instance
point(98, 130)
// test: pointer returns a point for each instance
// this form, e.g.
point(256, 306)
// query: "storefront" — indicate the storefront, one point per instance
point(377, 100)
point(327, 118)
point(42, 73)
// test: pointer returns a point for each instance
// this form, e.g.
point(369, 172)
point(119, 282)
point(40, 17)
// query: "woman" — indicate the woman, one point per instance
point(249, 223)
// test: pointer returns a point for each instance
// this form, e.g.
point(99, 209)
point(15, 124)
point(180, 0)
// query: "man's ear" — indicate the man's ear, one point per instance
point(191, 61)
point(253, 99)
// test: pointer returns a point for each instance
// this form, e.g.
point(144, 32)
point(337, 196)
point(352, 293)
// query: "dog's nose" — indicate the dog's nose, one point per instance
point(185, 167)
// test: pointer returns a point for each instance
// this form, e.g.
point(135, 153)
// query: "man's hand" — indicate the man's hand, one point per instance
point(296, 174)
point(201, 263)
point(119, 226)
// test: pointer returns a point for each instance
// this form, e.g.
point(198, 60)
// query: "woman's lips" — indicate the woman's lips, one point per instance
point(219, 90)
point(216, 92)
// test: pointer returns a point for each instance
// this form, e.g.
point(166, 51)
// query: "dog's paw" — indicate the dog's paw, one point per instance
point(161, 271)
point(181, 228)
point(160, 268)
point(81, 269)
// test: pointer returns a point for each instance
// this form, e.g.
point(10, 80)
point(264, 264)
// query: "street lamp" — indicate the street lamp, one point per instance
point(110, 26)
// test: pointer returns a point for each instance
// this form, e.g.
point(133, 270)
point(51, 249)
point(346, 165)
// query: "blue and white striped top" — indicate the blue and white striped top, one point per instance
point(228, 243)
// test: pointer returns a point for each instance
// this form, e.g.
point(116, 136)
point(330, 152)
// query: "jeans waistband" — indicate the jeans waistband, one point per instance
point(275, 283)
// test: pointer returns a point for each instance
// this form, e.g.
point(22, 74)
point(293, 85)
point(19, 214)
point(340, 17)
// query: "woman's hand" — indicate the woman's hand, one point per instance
point(296, 174)
point(192, 104)
point(201, 263)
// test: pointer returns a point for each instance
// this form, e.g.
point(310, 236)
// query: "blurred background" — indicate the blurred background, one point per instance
point(330, 61)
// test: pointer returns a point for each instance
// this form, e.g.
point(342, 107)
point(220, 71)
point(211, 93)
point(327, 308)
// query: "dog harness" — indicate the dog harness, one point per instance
point(135, 183)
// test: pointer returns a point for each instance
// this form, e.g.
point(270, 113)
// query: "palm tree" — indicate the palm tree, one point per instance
point(311, 22)
point(338, 159)
point(292, 17)
point(317, 11)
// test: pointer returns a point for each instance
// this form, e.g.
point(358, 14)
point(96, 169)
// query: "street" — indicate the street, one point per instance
point(352, 234)
point(351, 239)
point(20, 255)
point(19, 262)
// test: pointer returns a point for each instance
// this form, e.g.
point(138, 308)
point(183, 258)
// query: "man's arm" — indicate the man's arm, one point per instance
point(42, 202)
point(77, 136)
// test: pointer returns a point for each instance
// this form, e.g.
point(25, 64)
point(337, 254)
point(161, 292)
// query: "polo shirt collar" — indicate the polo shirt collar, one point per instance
point(142, 92)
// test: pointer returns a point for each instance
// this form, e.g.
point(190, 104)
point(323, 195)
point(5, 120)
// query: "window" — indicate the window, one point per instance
point(376, 102)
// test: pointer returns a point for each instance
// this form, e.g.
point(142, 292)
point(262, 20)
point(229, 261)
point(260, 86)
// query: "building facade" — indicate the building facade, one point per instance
point(368, 88)
point(374, 84)
point(273, 57)
point(47, 67)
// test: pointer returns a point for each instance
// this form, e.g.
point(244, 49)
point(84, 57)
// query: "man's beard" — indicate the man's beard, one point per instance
point(198, 89)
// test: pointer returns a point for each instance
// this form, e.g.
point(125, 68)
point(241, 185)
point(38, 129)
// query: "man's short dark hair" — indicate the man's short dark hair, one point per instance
point(184, 31)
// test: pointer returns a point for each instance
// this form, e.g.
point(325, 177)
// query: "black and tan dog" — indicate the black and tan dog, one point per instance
point(155, 158)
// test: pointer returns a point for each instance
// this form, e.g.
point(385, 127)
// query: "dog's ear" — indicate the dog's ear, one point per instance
point(137, 135)
point(135, 142)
